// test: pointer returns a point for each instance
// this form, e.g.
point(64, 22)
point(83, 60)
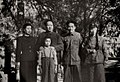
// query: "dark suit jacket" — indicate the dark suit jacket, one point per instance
point(25, 50)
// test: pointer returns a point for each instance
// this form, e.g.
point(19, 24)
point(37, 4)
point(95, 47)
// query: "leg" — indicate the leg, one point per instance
point(90, 71)
point(67, 74)
point(45, 66)
point(77, 73)
point(99, 73)
point(51, 70)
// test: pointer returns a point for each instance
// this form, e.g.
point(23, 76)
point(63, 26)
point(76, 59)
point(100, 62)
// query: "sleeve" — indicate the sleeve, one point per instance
point(38, 43)
point(80, 38)
point(39, 57)
point(55, 56)
point(18, 49)
point(59, 46)
point(104, 49)
point(80, 45)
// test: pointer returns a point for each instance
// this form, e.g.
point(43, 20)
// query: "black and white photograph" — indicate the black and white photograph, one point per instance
point(59, 40)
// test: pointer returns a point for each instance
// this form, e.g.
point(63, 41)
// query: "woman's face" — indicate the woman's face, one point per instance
point(47, 42)
point(49, 26)
point(28, 30)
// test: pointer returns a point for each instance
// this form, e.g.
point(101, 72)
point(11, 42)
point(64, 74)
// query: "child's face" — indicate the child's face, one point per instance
point(47, 42)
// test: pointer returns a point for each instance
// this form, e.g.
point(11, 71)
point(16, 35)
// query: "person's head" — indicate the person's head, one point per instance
point(49, 25)
point(48, 41)
point(27, 28)
point(71, 26)
point(93, 31)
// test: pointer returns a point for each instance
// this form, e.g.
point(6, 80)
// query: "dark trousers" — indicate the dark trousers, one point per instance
point(47, 70)
point(28, 71)
point(72, 73)
point(96, 73)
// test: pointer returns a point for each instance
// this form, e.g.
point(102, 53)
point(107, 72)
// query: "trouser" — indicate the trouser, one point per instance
point(72, 73)
point(28, 71)
point(96, 73)
point(47, 70)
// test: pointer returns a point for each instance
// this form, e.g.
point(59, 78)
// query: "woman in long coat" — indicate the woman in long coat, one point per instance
point(26, 57)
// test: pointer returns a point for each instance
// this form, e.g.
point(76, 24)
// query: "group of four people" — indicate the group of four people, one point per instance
point(44, 50)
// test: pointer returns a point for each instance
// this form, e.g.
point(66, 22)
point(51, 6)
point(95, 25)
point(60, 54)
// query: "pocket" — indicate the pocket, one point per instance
point(75, 42)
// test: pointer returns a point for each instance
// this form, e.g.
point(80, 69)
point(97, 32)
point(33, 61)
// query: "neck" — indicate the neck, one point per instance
point(49, 31)
point(47, 46)
point(26, 35)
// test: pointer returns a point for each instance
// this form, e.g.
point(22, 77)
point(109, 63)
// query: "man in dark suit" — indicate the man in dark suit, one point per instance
point(26, 56)
point(71, 57)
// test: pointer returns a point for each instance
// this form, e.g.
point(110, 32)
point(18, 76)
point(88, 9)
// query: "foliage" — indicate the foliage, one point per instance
point(103, 14)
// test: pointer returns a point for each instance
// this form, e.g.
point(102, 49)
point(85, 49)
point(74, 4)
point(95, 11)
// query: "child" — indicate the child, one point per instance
point(47, 61)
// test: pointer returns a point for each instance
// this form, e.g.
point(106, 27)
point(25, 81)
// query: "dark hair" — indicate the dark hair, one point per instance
point(47, 38)
point(45, 22)
point(70, 21)
point(25, 25)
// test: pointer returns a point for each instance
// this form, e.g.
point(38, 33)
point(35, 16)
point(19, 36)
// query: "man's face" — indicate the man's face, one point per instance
point(71, 27)
point(47, 42)
point(28, 30)
point(49, 26)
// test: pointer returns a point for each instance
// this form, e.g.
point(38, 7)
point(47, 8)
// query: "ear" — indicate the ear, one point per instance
point(75, 27)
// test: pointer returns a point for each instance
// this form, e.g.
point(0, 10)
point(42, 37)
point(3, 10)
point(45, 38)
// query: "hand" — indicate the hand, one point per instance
point(106, 59)
point(38, 52)
point(18, 75)
point(17, 65)
point(55, 68)
point(40, 69)
point(92, 51)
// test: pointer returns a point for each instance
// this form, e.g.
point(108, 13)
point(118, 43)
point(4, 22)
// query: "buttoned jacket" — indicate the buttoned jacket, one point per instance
point(25, 50)
point(71, 55)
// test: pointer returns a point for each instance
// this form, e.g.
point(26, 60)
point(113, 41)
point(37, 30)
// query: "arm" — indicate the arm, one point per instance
point(18, 49)
point(39, 42)
point(104, 50)
point(55, 56)
point(39, 57)
point(80, 46)
point(59, 46)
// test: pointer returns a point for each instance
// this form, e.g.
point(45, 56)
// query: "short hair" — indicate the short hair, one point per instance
point(71, 21)
point(27, 24)
point(47, 38)
point(45, 22)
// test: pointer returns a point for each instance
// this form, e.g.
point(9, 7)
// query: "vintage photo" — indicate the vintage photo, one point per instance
point(59, 40)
